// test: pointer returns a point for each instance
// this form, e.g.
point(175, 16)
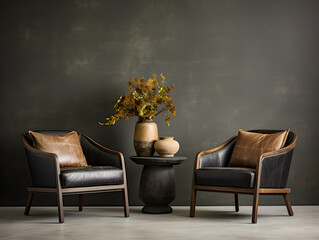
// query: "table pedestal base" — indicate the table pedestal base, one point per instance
point(157, 184)
point(157, 209)
point(157, 188)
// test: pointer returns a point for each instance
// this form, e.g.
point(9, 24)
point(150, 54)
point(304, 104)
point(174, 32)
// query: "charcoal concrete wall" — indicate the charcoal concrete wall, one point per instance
point(235, 64)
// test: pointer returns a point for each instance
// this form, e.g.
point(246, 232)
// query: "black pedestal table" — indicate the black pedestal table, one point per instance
point(157, 184)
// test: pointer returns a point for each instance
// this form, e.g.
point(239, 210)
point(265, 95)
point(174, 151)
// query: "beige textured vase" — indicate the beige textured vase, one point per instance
point(166, 146)
point(145, 135)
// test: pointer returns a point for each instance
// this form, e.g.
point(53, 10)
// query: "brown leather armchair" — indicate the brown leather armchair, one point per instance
point(105, 173)
point(211, 173)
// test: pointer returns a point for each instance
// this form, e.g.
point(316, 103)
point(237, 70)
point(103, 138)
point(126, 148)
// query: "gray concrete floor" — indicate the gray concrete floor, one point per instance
point(209, 223)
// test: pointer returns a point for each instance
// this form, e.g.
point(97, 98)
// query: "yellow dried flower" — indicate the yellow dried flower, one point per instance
point(144, 99)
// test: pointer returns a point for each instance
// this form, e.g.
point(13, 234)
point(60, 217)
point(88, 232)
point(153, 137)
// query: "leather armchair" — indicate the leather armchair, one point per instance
point(105, 173)
point(211, 173)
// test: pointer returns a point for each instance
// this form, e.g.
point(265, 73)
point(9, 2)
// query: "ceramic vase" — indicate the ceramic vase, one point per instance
point(166, 146)
point(145, 135)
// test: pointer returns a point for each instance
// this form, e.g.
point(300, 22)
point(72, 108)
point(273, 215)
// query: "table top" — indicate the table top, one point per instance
point(157, 160)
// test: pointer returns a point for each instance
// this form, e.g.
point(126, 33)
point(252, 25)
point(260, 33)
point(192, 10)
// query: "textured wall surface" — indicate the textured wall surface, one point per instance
point(235, 64)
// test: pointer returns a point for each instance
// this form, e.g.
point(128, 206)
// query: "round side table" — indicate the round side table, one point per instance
point(157, 184)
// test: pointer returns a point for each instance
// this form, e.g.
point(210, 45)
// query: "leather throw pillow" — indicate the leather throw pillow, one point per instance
point(67, 147)
point(250, 146)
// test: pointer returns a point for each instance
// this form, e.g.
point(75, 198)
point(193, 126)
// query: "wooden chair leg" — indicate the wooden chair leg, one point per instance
point(126, 203)
point(236, 203)
point(255, 207)
point(193, 203)
point(80, 203)
point(29, 202)
point(60, 206)
point(288, 205)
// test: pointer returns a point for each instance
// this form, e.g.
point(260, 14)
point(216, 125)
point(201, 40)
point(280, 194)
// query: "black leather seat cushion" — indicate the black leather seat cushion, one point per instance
point(90, 176)
point(225, 177)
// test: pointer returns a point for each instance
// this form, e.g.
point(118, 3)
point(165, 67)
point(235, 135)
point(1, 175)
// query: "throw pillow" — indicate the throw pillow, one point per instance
point(250, 146)
point(67, 147)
